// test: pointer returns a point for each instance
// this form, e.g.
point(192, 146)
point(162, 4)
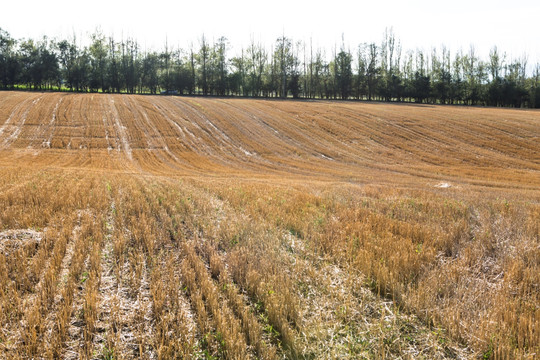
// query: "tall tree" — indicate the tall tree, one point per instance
point(294, 84)
point(113, 71)
point(514, 92)
point(9, 66)
point(372, 70)
point(457, 87)
point(192, 70)
point(68, 57)
point(440, 75)
point(421, 86)
point(343, 66)
point(150, 71)
point(166, 80)
point(495, 66)
point(535, 88)
point(203, 57)
point(48, 63)
point(389, 84)
point(38, 63)
point(28, 57)
point(98, 60)
point(473, 69)
point(220, 61)
point(316, 71)
point(360, 81)
point(257, 59)
point(287, 63)
point(238, 77)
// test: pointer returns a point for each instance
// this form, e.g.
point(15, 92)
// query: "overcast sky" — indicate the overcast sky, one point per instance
point(511, 25)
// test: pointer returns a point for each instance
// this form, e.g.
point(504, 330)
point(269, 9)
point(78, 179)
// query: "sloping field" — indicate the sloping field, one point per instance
point(171, 227)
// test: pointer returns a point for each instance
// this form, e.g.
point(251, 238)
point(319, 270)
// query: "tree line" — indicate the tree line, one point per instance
point(288, 68)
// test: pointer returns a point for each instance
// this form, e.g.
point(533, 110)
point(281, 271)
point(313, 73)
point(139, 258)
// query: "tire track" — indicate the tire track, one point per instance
point(154, 134)
point(120, 129)
point(51, 126)
point(16, 129)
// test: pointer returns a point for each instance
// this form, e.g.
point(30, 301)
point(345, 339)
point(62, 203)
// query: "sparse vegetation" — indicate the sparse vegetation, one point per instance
point(160, 227)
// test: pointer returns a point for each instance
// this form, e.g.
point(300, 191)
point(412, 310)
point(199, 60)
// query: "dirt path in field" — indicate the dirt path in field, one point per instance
point(141, 310)
point(50, 127)
point(52, 318)
point(120, 129)
point(109, 301)
point(115, 309)
point(74, 347)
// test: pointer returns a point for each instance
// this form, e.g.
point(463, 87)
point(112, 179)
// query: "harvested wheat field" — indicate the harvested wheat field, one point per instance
point(162, 227)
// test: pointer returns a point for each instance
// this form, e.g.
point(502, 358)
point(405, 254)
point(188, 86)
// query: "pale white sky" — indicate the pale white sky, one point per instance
point(511, 25)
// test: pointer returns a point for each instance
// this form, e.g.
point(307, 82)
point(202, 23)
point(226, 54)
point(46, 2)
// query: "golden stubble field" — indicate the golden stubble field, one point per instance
point(169, 227)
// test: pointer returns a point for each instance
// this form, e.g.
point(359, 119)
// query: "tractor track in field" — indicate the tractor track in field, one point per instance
point(14, 129)
point(120, 130)
point(50, 128)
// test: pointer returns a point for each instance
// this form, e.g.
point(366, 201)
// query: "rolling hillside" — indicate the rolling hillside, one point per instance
point(162, 227)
